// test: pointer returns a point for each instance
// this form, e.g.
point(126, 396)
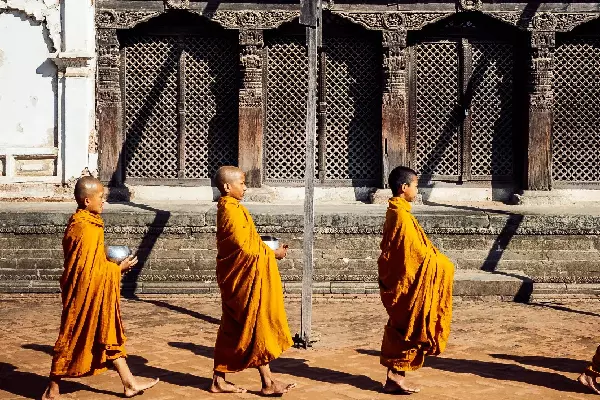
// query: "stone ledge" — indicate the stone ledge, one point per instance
point(341, 219)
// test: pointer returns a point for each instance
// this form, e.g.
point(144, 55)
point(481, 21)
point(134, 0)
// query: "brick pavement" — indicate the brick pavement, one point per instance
point(497, 350)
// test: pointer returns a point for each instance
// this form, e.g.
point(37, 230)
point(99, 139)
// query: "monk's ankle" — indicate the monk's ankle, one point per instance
point(394, 375)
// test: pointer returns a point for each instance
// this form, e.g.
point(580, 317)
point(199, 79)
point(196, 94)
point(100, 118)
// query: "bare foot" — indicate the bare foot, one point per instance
point(139, 387)
point(396, 383)
point(50, 394)
point(589, 381)
point(277, 389)
point(52, 391)
point(220, 385)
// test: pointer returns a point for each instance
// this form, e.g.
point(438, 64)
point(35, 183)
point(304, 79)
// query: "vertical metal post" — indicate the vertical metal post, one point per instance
point(311, 17)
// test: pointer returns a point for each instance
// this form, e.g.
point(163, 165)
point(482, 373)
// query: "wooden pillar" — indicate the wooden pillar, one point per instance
point(394, 128)
point(109, 110)
point(541, 99)
point(251, 107)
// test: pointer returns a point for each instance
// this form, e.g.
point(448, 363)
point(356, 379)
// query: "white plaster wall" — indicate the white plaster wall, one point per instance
point(28, 103)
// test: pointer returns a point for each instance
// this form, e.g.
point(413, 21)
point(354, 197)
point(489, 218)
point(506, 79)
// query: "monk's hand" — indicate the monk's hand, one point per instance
point(128, 263)
point(281, 252)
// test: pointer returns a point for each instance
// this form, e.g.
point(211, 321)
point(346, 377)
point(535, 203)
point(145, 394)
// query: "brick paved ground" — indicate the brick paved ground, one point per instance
point(497, 350)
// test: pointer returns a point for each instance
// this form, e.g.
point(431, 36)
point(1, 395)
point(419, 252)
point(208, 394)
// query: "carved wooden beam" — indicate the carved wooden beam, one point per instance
point(541, 100)
point(394, 126)
point(109, 107)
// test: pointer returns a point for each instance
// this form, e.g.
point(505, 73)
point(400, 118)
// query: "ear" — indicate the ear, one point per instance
point(86, 201)
point(227, 187)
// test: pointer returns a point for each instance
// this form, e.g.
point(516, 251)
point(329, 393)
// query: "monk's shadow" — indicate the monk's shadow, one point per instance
point(139, 367)
point(299, 368)
point(32, 386)
point(567, 365)
point(182, 310)
point(500, 371)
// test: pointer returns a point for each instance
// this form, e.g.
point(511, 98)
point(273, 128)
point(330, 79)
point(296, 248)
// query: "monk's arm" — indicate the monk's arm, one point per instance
point(240, 233)
point(410, 238)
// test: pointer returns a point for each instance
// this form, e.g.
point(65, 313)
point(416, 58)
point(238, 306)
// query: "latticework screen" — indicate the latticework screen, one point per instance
point(492, 110)
point(211, 99)
point(353, 95)
point(152, 96)
point(437, 101)
point(287, 85)
point(575, 135)
point(151, 93)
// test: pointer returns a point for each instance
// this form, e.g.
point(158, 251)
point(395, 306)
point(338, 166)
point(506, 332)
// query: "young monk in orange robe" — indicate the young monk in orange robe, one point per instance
point(91, 334)
point(254, 328)
point(415, 282)
point(589, 376)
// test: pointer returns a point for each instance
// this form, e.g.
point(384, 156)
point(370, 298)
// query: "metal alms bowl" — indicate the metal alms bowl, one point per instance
point(271, 241)
point(117, 254)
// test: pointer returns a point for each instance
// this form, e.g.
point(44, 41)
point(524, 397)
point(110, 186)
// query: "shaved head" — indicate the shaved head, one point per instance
point(86, 187)
point(227, 174)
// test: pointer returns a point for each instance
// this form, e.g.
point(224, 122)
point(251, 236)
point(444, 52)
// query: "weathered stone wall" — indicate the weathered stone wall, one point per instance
point(29, 109)
point(178, 249)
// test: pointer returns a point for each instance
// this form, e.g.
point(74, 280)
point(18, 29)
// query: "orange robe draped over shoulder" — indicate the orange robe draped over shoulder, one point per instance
point(415, 282)
point(91, 331)
point(254, 328)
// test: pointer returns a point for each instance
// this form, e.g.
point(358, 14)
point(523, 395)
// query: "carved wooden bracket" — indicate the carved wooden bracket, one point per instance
point(560, 22)
point(176, 4)
point(384, 20)
point(469, 5)
point(122, 19)
point(251, 93)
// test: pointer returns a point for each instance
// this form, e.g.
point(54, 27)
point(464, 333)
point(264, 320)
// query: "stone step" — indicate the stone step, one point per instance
point(564, 291)
point(505, 285)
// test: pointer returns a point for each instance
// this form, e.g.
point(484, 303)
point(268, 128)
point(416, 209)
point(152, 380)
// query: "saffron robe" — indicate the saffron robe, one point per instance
point(415, 281)
point(594, 368)
point(254, 328)
point(91, 332)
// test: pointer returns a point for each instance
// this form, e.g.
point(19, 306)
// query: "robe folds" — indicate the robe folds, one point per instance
point(415, 281)
point(91, 332)
point(254, 328)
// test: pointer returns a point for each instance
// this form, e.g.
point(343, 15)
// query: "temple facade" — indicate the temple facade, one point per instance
point(484, 99)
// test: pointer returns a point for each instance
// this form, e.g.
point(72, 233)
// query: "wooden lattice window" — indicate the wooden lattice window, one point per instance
point(180, 105)
point(462, 106)
point(350, 93)
point(575, 137)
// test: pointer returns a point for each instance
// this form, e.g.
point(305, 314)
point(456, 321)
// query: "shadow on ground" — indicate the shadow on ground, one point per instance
point(32, 386)
point(138, 365)
point(182, 310)
point(507, 372)
point(558, 364)
point(298, 368)
point(559, 307)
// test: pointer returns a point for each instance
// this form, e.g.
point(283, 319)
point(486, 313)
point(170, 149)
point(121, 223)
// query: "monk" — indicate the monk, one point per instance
point(415, 282)
point(588, 377)
point(91, 334)
point(254, 328)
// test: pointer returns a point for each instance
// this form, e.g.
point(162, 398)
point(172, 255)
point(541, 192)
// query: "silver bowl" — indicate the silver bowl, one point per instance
point(271, 241)
point(117, 254)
